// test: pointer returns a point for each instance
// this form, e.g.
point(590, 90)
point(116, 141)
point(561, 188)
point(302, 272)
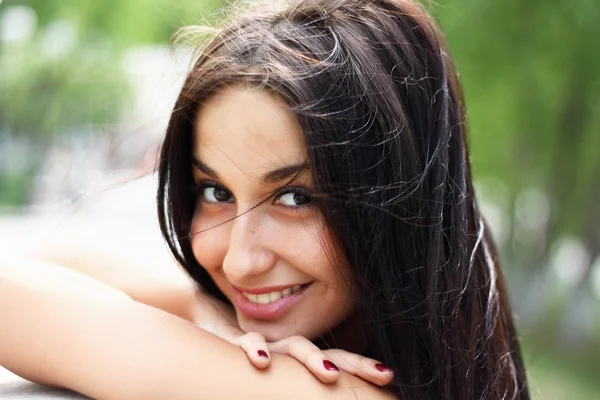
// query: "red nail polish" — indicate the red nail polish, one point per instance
point(262, 353)
point(329, 366)
point(382, 367)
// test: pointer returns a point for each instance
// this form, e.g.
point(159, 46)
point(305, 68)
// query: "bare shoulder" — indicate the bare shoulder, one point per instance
point(112, 347)
point(121, 214)
point(287, 378)
point(198, 365)
point(359, 389)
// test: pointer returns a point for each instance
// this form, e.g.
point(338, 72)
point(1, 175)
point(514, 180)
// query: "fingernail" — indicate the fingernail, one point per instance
point(382, 367)
point(262, 353)
point(329, 366)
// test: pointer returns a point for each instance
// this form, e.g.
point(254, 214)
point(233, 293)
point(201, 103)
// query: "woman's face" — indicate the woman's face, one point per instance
point(255, 229)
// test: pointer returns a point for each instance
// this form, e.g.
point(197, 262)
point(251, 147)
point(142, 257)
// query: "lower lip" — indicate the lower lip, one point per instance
point(267, 311)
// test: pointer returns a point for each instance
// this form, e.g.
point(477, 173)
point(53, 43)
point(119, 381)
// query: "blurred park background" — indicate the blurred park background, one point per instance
point(86, 89)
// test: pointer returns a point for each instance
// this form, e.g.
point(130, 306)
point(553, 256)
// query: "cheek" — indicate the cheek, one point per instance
point(332, 269)
point(209, 241)
point(311, 249)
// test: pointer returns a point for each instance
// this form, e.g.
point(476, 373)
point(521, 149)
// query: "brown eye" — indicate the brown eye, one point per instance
point(215, 194)
point(294, 197)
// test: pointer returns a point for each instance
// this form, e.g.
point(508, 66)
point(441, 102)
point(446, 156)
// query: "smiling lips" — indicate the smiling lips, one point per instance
point(267, 298)
point(268, 304)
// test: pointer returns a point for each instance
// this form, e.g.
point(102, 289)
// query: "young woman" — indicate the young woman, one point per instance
point(315, 181)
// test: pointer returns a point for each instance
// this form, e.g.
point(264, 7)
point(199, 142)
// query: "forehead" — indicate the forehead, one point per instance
point(251, 129)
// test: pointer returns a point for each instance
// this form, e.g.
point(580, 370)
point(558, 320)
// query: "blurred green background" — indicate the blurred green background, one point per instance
point(78, 75)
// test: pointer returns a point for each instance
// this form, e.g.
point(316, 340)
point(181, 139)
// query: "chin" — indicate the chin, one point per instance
point(275, 330)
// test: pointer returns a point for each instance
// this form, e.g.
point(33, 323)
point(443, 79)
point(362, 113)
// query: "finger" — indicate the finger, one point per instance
point(255, 346)
point(363, 367)
point(308, 354)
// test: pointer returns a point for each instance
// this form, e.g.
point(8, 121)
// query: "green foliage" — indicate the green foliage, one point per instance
point(127, 22)
point(44, 96)
point(530, 72)
point(13, 191)
point(532, 86)
point(554, 376)
point(86, 85)
point(531, 77)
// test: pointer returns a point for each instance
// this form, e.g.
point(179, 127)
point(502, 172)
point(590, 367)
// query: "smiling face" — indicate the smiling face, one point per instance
point(254, 228)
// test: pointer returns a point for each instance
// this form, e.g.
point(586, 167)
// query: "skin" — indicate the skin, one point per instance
point(246, 235)
point(139, 351)
point(56, 320)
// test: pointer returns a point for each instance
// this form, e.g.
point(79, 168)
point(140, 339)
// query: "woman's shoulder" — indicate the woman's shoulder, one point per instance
point(359, 389)
point(112, 347)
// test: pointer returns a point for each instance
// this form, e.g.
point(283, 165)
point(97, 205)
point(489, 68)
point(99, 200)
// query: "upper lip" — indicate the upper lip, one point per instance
point(267, 289)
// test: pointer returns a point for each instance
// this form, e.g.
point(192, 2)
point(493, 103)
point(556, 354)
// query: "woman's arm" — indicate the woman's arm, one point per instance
point(114, 237)
point(64, 328)
point(151, 278)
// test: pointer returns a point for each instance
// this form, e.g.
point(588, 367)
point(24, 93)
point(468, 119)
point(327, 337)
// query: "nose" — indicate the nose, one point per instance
point(248, 254)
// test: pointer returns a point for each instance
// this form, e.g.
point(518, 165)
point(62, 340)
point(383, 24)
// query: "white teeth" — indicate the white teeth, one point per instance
point(274, 296)
point(267, 298)
point(264, 298)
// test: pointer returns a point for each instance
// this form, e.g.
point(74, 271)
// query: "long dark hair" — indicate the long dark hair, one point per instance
point(375, 91)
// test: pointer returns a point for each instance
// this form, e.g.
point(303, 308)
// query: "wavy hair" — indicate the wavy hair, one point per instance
point(376, 94)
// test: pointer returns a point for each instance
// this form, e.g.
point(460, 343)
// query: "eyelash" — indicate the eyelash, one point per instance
point(197, 190)
point(296, 190)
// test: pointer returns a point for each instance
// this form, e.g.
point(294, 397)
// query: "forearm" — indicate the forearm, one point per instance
point(114, 237)
point(62, 328)
point(148, 275)
point(65, 329)
point(30, 333)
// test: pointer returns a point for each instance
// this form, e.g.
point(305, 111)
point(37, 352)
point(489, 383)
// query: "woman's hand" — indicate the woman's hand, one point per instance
point(219, 318)
point(326, 364)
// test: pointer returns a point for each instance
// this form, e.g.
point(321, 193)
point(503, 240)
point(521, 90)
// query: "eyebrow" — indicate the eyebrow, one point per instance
point(274, 176)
